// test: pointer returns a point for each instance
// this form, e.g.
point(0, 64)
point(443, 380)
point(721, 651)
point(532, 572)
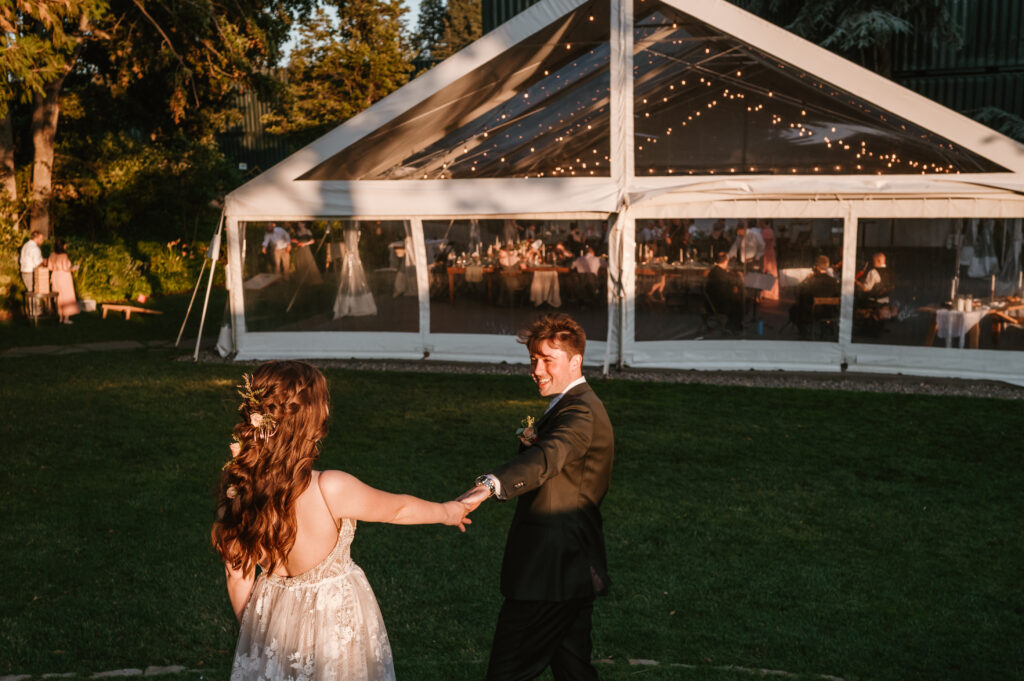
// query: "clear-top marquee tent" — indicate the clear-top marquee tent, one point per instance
point(439, 220)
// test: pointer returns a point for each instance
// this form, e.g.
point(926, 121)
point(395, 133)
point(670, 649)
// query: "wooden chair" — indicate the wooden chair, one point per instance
point(824, 318)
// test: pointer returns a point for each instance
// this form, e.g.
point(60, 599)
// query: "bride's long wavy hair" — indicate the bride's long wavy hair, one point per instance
point(284, 416)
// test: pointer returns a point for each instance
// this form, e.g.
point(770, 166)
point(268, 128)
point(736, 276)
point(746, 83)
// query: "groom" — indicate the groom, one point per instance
point(554, 562)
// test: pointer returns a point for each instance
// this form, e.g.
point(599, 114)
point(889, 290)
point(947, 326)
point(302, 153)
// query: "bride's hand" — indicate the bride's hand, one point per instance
point(456, 514)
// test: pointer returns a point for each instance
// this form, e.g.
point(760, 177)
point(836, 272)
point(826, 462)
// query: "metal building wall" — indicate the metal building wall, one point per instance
point(988, 70)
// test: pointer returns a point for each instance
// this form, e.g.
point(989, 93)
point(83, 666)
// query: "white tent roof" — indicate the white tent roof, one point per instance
point(282, 193)
point(278, 193)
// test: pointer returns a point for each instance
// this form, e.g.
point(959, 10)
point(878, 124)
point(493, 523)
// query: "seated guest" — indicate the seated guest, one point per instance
point(563, 257)
point(512, 278)
point(585, 272)
point(575, 241)
point(877, 284)
point(820, 284)
point(724, 289)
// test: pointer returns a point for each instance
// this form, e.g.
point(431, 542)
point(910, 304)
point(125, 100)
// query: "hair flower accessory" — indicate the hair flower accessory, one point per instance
point(236, 448)
point(526, 432)
point(251, 396)
point(231, 492)
point(264, 424)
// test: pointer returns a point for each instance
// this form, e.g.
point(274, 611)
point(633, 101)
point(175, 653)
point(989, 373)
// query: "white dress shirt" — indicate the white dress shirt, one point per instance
point(279, 238)
point(31, 256)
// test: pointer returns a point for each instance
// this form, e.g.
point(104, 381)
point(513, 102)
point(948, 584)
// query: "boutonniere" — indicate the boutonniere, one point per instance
point(526, 432)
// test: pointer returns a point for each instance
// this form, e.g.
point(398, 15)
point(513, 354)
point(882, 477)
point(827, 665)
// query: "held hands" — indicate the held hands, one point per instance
point(474, 496)
point(456, 514)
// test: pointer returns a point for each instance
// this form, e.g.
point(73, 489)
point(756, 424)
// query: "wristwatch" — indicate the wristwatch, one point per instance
point(487, 482)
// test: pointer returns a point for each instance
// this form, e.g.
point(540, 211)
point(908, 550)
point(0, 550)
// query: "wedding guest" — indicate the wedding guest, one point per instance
point(586, 269)
point(513, 280)
point(305, 262)
point(554, 564)
point(724, 289)
point(877, 282)
point(562, 255)
point(62, 283)
point(872, 303)
point(575, 242)
point(748, 248)
point(280, 242)
point(284, 532)
point(771, 263)
point(819, 284)
point(31, 257)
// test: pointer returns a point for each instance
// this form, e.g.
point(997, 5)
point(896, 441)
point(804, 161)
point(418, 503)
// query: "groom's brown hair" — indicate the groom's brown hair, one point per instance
point(560, 329)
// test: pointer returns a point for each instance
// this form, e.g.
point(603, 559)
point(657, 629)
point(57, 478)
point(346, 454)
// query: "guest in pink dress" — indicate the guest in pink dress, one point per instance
point(61, 281)
point(770, 260)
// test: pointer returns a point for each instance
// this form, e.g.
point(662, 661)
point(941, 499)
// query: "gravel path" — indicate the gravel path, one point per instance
point(880, 383)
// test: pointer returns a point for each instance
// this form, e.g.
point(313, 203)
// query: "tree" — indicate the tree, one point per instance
point(41, 42)
point(344, 61)
point(181, 56)
point(443, 30)
point(861, 30)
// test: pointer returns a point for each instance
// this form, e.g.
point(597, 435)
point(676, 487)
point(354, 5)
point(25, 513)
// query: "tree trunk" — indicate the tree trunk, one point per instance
point(8, 185)
point(45, 112)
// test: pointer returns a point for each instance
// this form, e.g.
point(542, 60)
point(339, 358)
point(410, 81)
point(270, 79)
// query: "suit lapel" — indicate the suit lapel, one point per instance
point(576, 390)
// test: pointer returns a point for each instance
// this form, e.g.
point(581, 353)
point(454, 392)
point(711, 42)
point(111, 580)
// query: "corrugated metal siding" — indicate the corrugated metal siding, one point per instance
point(497, 12)
point(988, 70)
point(249, 143)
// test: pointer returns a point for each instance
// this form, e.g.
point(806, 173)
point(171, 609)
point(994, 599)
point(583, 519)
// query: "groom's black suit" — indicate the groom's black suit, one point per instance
point(554, 560)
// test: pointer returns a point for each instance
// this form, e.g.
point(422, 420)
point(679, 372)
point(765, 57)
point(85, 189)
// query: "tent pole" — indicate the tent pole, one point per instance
point(213, 254)
point(195, 290)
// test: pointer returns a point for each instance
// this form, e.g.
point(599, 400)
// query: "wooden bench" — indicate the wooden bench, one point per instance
point(127, 309)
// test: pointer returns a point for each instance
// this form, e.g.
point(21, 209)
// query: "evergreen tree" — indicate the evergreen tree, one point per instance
point(344, 62)
point(861, 30)
point(444, 29)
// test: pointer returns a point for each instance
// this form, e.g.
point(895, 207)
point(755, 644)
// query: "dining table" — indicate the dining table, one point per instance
point(965, 325)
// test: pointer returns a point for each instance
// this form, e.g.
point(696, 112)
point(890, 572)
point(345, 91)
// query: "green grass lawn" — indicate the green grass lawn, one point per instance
point(857, 535)
point(90, 327)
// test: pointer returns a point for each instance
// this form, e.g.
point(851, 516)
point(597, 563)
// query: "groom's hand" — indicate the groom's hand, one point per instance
point(474, 496)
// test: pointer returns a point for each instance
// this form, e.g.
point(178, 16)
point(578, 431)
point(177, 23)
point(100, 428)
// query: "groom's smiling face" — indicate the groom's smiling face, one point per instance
point(552, 369)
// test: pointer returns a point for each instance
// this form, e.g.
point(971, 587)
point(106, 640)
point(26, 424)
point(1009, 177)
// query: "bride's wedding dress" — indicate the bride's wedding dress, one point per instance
point(322, 625)
point(354, 296)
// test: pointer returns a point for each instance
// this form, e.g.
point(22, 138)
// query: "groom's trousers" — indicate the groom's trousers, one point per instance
point(531, 635)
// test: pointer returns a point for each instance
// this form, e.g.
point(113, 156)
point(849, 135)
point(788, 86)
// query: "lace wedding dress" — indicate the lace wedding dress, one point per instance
point(354, 296)
point(322, 625)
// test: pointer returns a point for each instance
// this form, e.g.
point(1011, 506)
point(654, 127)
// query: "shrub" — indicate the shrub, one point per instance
point(107, 272)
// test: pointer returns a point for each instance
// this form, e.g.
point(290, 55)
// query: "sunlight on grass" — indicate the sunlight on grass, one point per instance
point(747, 528)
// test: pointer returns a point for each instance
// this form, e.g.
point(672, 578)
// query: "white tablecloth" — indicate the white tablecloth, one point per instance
point(544, 289)
point(951, 323)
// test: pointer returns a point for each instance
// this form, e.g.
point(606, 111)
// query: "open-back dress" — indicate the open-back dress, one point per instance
point(322, 625)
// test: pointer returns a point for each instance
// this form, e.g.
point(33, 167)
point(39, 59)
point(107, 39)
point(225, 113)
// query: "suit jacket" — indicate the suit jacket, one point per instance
point(555, 548)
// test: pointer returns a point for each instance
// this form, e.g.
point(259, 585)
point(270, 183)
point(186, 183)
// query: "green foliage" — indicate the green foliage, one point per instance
point(1001, 121)
point(861, 30)
point(171, 267)
point(11, 240)
point(107, 272)
point(444, 29)
point(139, 188)
point(341, 65)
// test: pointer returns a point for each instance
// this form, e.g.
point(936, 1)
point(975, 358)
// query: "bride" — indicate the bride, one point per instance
point(284, 532)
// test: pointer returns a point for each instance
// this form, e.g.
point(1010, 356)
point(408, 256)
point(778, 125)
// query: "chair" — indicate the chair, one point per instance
point(712, 320)
point(824, 318)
